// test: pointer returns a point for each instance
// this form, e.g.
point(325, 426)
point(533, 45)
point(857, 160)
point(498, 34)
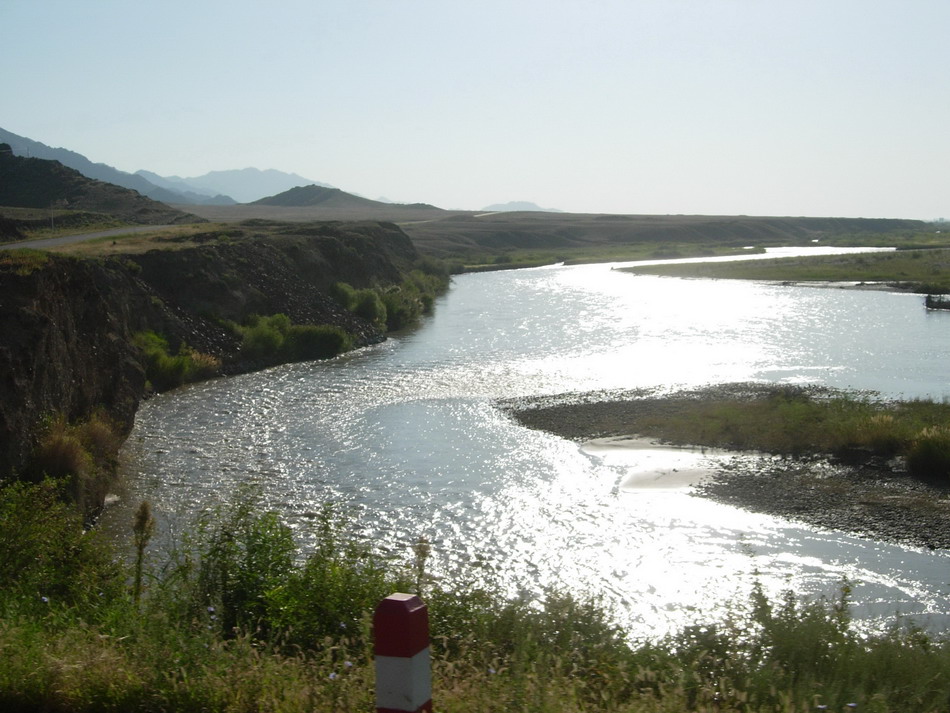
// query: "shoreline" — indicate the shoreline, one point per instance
point(870, 497)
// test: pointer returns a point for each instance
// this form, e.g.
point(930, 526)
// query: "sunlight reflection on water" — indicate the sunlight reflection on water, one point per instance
point(405, 437)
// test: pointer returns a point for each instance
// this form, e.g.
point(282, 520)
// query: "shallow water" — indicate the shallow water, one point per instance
point(406, 438)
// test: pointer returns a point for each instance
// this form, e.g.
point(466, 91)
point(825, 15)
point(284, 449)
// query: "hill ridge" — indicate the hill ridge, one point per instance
point(42, 183)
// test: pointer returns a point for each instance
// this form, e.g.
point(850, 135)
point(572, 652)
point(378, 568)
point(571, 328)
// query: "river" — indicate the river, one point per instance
point(405, 438)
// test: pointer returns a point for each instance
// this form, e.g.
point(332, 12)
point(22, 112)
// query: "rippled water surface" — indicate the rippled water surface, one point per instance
point(405, 436)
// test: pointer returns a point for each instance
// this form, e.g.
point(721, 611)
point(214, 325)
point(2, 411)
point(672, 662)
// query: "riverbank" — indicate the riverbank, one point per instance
point(905, 270)
point(855, 489)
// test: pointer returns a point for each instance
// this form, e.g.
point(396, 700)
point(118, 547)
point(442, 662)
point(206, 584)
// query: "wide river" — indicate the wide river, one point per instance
point(405, 438)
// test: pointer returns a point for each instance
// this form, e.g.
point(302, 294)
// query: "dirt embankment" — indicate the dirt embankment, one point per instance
point(68, 324)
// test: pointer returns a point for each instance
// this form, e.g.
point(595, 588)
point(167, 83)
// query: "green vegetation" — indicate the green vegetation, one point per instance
point(920, 270)
point(235, 618)
point(398, 306)
point(275, 340)
point(782, 420)
point(167, 371)
point(37, 223)
point(24, 261)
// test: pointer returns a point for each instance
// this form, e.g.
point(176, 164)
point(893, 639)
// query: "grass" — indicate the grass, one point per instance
point(178, 237)
point(920, 270)
point(36, 224)
point(23, 261)
point(236, 618)
point(82, 455)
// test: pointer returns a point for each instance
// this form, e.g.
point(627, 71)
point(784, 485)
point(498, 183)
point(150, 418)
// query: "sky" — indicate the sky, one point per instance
point(720, 107)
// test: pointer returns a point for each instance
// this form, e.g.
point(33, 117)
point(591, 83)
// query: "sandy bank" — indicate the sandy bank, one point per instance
point(651, 466)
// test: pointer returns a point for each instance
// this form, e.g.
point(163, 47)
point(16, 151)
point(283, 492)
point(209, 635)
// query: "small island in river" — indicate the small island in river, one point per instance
point(830, 459)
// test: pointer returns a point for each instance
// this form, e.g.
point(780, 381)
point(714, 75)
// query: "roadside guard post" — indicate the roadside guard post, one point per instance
point(403, 671)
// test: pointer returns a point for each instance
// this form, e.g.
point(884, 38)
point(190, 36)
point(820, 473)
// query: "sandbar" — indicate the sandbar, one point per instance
point(648, 465)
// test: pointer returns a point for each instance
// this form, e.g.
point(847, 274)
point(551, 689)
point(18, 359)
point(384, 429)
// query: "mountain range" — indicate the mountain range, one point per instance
point(46, 184)
point(214, 188)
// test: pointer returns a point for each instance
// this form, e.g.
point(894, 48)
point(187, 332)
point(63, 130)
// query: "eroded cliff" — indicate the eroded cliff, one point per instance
point(68, 324)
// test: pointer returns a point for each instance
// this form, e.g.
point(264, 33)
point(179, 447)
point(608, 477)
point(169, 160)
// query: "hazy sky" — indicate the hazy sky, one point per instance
point(757, 107)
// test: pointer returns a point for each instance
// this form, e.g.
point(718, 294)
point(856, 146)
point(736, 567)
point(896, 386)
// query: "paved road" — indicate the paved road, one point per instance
point(66, 239)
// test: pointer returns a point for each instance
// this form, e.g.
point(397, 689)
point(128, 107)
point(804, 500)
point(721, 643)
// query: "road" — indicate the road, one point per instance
point(66, 239)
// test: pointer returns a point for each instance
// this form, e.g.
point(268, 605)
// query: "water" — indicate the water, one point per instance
point(406, 438)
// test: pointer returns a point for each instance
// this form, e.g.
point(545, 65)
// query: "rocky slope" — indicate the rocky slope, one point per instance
point(68, 323)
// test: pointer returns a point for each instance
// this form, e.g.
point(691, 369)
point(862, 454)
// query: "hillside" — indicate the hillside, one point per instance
point(69, 323)
point(39, 183)
point(29, 148)
point(477, 235)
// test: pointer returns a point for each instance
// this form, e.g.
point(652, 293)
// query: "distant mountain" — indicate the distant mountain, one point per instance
point(214, 188)
point(193, 194)
point(247, 185)
point(23, 146)
point(519, 205)
point(43, 183)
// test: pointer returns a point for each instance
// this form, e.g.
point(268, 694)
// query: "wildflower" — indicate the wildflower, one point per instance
point(45, 600)
point(348, 664)
point(332, 676)
point(491, 670)
point(211, 610)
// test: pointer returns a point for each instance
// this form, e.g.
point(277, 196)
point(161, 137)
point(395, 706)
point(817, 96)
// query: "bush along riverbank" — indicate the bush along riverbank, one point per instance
point(235, 618)
point(84, 336)
point(832, 459)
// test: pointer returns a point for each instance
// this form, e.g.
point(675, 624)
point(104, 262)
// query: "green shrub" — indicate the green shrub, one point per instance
point(261, 340)
point(166, 371)
point(46, 556)
point(336, 590)
point(244, 556)
point(309, 342)
point(397, 306)
point(370, 307)
point(929, 454)
point(344, 294)
point(275, 339)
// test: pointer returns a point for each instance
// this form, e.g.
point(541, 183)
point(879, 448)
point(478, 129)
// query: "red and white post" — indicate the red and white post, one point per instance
point(403, 671)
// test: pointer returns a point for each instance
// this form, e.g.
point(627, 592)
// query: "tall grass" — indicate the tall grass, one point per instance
point(236, 618)
point(80, 454)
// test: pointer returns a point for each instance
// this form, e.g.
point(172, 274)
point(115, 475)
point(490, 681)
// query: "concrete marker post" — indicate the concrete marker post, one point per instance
point(401, 648)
